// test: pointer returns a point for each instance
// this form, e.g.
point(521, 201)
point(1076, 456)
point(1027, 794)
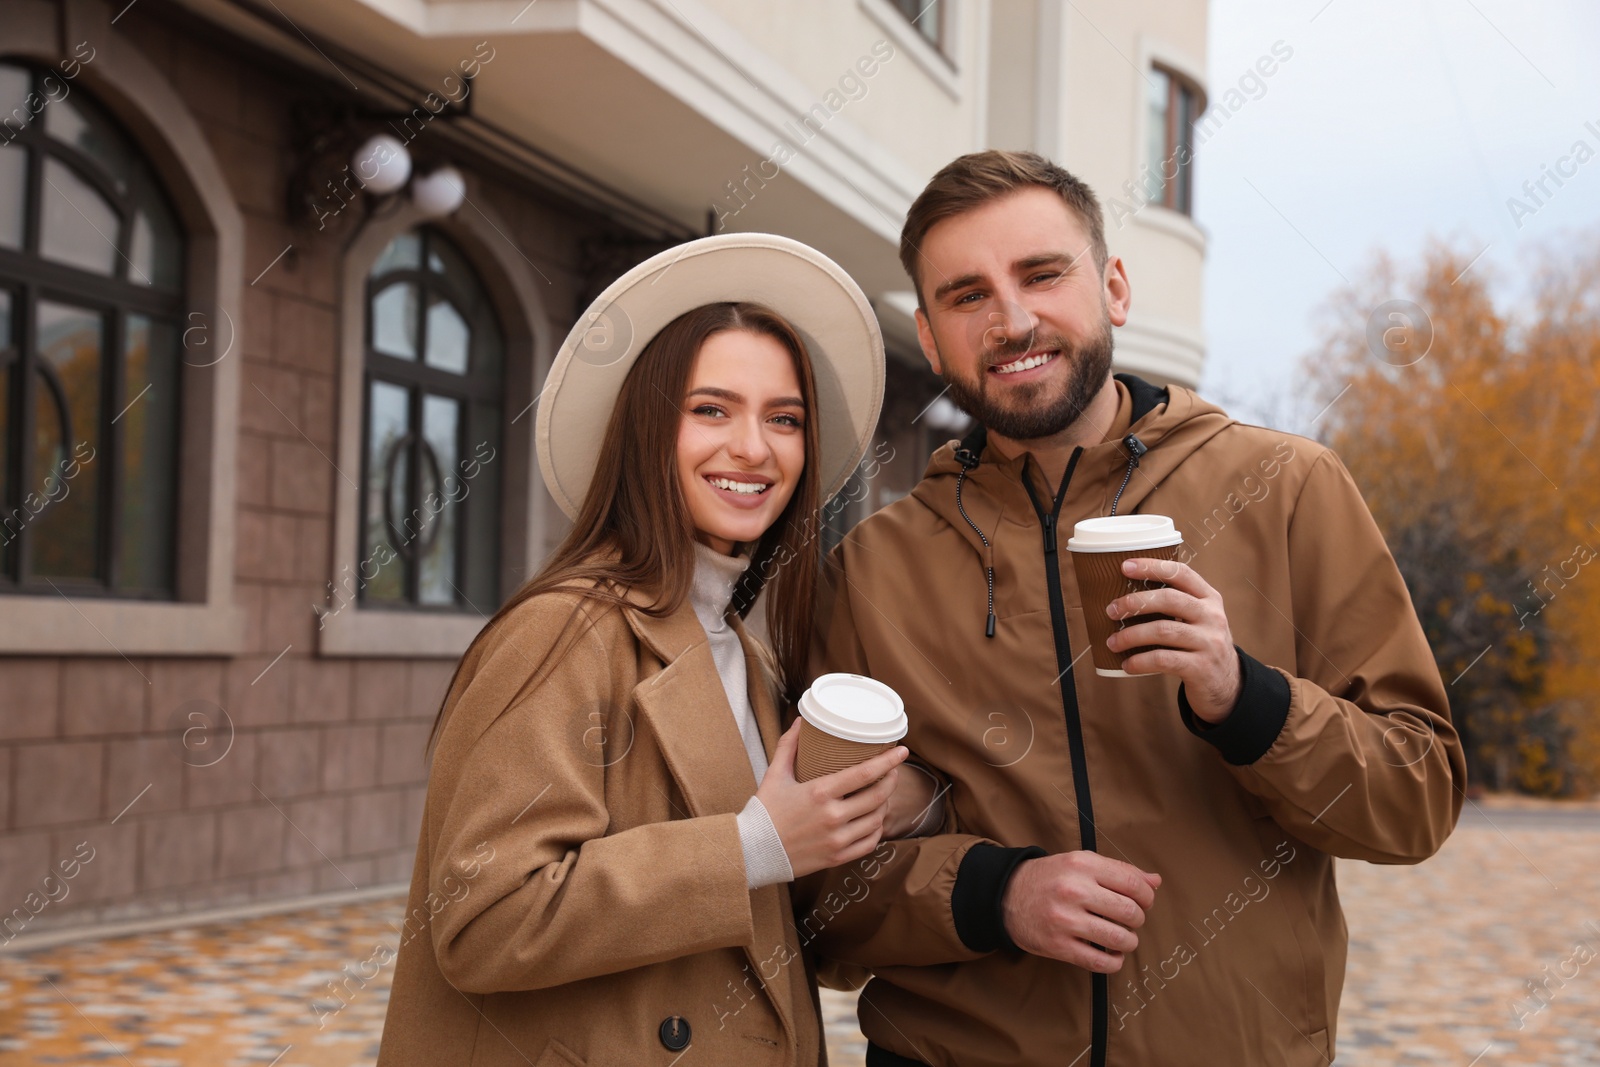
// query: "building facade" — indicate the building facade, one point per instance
point(279, 283)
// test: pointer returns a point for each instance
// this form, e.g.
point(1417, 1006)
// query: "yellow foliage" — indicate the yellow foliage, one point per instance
point(1477, 462)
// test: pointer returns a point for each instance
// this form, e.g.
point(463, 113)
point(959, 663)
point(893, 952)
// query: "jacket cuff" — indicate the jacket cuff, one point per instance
point(932, 819)
point(1257, 717)
point(765, 860)
point(975, 900)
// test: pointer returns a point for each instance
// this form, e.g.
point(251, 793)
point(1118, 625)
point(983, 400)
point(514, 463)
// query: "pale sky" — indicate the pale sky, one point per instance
point(1395, 121)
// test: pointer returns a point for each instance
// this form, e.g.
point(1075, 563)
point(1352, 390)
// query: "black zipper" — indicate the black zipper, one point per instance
point(1099, 983)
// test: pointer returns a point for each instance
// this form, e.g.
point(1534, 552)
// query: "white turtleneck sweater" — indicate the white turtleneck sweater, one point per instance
point(715, 575)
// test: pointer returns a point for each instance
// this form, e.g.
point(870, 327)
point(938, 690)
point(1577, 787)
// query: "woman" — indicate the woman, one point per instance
point(600, 878)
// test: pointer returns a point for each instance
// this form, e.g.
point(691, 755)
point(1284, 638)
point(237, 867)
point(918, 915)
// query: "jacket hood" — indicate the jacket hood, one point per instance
point(975, 489)
point(1170, 422)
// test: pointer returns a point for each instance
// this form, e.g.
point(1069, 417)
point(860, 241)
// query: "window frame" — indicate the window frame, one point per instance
point(529, 519)
point(937, 39)
point(1180, 88)
point(420, 379)
point(31, 279)
point(936, 61)
point(205, 619)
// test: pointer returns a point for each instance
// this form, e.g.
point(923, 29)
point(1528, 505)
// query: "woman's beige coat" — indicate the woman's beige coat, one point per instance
point(579, 879)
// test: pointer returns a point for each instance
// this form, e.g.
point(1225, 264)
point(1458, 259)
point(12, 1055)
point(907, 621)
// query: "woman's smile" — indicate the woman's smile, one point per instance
point(742, 442)
point(739, 489)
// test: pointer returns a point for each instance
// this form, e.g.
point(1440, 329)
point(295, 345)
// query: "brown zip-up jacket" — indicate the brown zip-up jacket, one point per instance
point(1340, 745)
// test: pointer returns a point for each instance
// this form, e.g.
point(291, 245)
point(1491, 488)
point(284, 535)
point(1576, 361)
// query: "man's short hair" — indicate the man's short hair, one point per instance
point(975, 179)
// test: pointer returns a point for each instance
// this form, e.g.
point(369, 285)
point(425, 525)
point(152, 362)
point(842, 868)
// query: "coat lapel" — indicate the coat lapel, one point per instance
point(686, 708)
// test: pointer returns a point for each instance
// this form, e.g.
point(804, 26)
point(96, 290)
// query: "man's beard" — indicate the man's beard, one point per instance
point(1030, 412)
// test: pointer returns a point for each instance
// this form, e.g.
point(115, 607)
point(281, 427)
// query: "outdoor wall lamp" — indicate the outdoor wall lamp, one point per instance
point(340, 162)
point(439, 192)
point(381, 164)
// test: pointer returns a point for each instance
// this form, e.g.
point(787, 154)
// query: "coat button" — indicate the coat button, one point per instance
point(675, 1033)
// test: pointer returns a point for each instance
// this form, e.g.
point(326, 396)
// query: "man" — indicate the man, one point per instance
point(1132, 870)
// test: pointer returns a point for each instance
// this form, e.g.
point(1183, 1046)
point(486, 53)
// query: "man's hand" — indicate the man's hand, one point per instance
point(1196, 644)
point(914, 798)
point(1078, 907)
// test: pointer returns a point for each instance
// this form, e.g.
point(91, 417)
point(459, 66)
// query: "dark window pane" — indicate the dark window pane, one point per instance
point(15, 82)
point(394, 321)
point(65, 478)
point(404, 252)
point(77, 122)
point(477, 314)
point(389, 420)
point(79, 227)
point(1157, 148)
point(13, 194)
point(1184, 198)
point(448, 338)
point(444, 258)
point(487, 348)
point(156, 251)
point(148, 459)
point(924, 15)
point(441, 417)
point(10, 523)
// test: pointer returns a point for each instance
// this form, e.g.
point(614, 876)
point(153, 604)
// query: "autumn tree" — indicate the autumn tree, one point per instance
point(1467, 409)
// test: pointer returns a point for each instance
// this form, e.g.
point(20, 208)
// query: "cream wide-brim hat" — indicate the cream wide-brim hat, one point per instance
point(808, 289)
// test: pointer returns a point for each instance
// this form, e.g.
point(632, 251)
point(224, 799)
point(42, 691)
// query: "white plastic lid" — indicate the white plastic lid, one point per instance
point(1123, 533)
point(855, 708)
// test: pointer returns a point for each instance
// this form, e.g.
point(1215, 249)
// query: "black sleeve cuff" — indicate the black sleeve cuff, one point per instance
point(980, 886)
point(1257, 717)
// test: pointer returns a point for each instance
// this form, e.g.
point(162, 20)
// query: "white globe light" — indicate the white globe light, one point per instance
point(382, 164)
point(439, 193)
point(944, 415)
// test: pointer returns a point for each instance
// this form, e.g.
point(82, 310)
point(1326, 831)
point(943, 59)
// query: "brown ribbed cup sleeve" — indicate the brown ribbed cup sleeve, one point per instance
point(1100, 581)
point(820, 753)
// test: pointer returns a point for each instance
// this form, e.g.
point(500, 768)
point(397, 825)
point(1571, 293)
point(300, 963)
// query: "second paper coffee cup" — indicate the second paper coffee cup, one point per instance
point(845, 719)
point(1099, 547)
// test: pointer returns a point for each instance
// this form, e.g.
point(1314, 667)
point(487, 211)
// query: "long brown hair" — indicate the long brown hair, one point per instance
point(635, 530)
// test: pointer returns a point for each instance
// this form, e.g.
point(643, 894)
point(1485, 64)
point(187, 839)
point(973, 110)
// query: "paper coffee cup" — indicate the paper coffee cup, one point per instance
point(1099, 547)
point(845, 719)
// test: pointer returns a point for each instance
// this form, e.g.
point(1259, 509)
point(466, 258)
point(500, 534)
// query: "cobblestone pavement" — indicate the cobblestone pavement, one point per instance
point(1441, 960)
point(1442, 954)
point(252, 993)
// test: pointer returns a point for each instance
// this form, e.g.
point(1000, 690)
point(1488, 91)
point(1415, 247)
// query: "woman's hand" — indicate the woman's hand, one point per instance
point(915, 793)
point(833, 819)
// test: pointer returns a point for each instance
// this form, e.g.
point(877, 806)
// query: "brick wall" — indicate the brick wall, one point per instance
point(323, 781)
point(320, 787)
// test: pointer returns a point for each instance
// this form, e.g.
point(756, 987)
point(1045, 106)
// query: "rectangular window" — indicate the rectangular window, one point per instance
point(1169, 140)
point(926, 16)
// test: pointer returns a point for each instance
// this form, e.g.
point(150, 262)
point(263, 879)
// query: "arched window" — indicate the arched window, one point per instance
point(91, 302)
point(430, 465)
